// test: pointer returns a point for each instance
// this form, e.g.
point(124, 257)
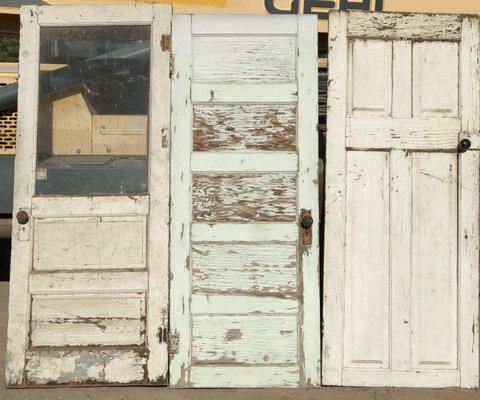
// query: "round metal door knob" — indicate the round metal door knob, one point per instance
point(464, 145)
point(306, 222)
point(22, 217)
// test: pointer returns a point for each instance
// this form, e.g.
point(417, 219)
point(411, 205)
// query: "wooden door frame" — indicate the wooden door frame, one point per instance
point(335, 202)
point(158, 16)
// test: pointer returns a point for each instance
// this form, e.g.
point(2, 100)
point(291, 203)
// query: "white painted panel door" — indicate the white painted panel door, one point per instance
point(402, 201)
point(245, 286)
point(89, 279)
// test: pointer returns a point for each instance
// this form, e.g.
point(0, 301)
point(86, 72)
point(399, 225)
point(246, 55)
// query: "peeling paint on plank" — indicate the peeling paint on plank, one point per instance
point(252, 197)
point(82, 366)
point(260, 268)
point(244, 127)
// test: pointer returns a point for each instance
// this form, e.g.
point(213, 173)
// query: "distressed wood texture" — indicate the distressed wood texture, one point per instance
point(435, 70)
point(88, 282)
point(246, 92)
point(44, 367)
point(102, 206)
point(468, 202)
point(24, 183)
point(334, 251)
point(81, 15)
point(92, 271)
point(89, 243)
point(402, 133)
point(308, 200)
point(243, 198)
point(369, 93)
point(229, 58)
point(81, 320)
point(399, 308)
point(434, 266)
point(216, 304)
point(244, 268)
point(244, 294)
point(244, 127)
point(240, 339)
point(158, 233)
point(367, 334)
point(398, 26)
point(250, 376)
point(181, 209)
point(234, 232)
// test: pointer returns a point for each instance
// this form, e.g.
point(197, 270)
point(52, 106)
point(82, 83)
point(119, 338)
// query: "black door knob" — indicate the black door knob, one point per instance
point(22, 217)
point(306, 222)
point(464, 145)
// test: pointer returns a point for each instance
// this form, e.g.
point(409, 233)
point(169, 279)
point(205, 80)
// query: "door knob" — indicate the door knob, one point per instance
point(22, 217)
point(306, 222)
point(464, 145)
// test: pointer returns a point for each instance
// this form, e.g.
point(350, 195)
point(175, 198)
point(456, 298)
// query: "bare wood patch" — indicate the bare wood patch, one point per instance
point(398, 26)
point(166, 42)
point(253, 197)
point(244, 127)
point(264, 268)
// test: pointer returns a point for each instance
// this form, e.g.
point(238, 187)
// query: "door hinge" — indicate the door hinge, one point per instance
point(173, 340)
point(171, 66)
point(162, 334)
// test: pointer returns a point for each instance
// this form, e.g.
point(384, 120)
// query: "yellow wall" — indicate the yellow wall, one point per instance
point(258, 6)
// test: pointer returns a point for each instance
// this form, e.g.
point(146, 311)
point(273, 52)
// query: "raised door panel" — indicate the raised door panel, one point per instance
point(367, 276)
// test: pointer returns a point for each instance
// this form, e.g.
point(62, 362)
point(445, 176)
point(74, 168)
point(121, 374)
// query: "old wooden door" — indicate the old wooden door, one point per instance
point(244, 290)
point(402, 201)
point(88, 294)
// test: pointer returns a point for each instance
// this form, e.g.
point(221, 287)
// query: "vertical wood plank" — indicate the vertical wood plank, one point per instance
point(400, 214)
point(158, 218)
point(334, 258)
point(181, 182)
point(402, 79)
point(400, 263)
point(308, 195)
point(468, 230)
point(19, 299)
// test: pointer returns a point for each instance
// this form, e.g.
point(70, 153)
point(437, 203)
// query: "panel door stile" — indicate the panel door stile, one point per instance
point(469, 207)
point(159, 194)
point(308, 197)
point(181, 198)
point(19, 299)
point(400, 208)
point(335, 178)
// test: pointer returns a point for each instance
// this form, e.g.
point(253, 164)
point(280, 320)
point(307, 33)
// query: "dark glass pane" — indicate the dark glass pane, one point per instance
point(93, 110)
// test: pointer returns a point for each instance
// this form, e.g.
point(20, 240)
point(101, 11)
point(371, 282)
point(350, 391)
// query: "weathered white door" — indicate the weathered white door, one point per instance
point(402, 201)
point(244, 289)
point(89, 281)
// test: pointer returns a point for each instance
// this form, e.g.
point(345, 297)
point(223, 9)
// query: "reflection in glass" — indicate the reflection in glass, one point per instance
point(93, 110)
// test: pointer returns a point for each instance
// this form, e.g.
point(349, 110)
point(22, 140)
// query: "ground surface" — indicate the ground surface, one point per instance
point(148, 393)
